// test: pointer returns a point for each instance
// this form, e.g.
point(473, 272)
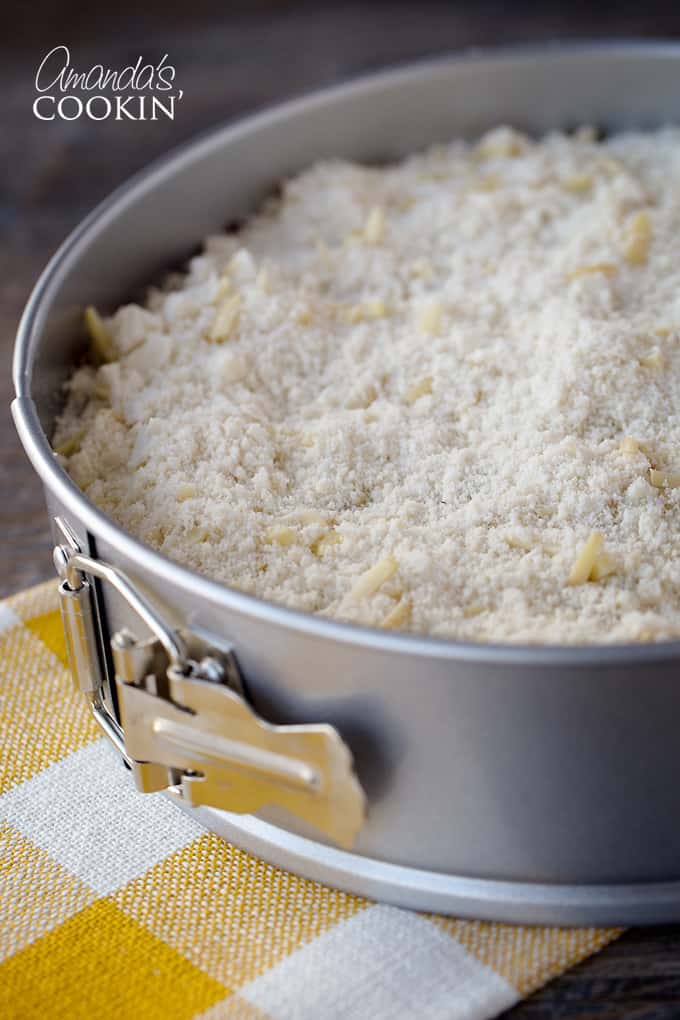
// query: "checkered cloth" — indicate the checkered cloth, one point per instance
point(118, 905)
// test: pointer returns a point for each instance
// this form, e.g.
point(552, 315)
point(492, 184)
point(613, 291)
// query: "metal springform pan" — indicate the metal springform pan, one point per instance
point(532, 784)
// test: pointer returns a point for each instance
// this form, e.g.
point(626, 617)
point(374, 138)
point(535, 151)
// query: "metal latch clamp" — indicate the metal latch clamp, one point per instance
point(184, 728)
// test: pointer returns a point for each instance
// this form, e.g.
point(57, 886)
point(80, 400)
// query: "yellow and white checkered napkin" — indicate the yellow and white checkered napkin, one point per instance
point(118, 905)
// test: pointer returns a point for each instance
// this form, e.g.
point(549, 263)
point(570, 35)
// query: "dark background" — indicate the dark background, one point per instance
point(232, 58)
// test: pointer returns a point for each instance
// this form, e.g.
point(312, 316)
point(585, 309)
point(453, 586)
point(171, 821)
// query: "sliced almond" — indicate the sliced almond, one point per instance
point(374, 229)
point(100, 337)
point(419, 389)
point(226, 321)
point(366, 311)
point(431, 318)
point(185, 490)
point(578, 183)
point(638, 238)
point(372, 579)
point(664, 479)
point(607, 268)
point(398, 616)
point(499, 146)
point(279, 534)
point(652, 360)
point(585, 561)
point(629, 445)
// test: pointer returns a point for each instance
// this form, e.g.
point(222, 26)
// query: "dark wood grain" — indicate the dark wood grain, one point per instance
point(231, 58)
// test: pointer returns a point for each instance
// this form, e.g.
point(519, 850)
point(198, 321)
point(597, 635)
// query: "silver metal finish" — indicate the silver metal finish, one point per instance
point(173, 644)
point(183, 728)
point(520, 783)
point(76, 615)
point(484, 900)
point(222, 754)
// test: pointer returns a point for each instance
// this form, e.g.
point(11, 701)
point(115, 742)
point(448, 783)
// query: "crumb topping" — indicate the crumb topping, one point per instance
point(441, 395)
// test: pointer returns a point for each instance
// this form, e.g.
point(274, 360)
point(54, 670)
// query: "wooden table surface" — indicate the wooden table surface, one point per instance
point(231, 58)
